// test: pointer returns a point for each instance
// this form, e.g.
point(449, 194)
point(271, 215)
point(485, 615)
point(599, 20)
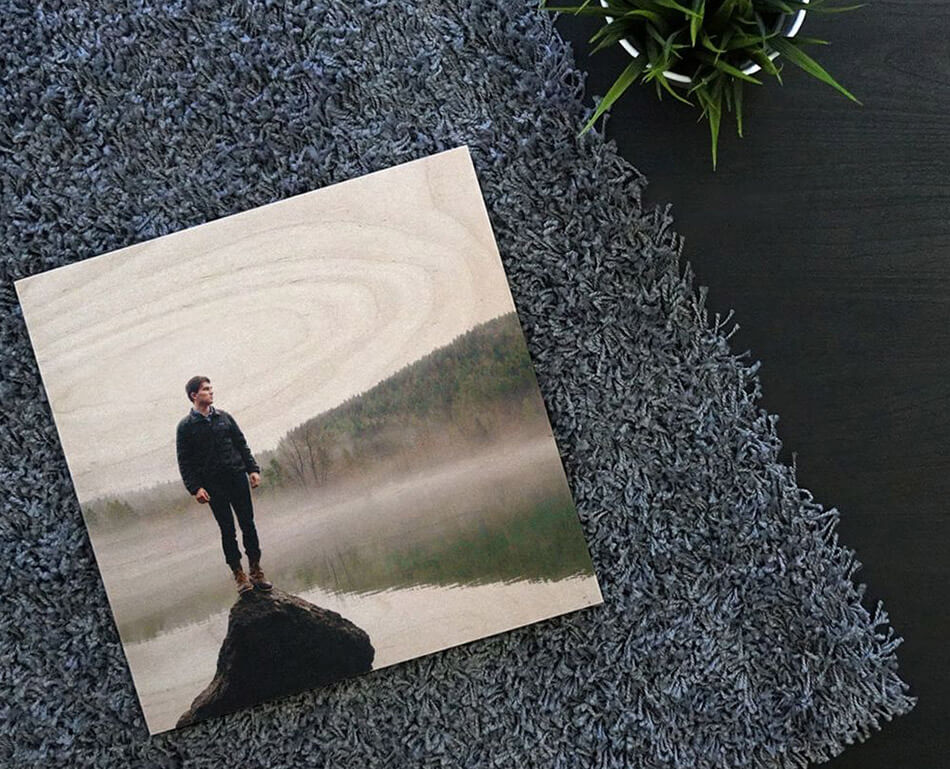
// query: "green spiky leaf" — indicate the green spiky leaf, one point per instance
point(711, 102)
point(670, 89)
point(801, 59)
point(621, 84)
point(725, 67)
point(711, 41)
point(707, 42)
point(723, 13)
point(737, 104)
point(768, 66)
point(672, 4)
point(699, 9)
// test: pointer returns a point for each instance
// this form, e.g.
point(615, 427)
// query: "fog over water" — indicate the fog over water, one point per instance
point(171, 637)
point(430, 512)
point(289, 309)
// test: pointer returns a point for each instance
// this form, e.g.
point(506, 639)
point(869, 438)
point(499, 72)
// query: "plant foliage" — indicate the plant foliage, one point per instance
point(716, 43)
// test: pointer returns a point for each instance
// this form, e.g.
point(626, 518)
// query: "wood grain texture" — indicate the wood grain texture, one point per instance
point(289, 308)
point(826, 229)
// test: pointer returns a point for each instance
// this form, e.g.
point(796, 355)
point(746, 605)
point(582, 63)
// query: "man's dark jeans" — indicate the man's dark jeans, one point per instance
point(231, 490)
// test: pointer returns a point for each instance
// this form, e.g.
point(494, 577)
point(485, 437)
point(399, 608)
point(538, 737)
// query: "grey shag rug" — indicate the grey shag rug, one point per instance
point(732, 635)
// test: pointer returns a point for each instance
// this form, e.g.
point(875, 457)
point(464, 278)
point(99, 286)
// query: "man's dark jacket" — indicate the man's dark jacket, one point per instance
point(208, 449)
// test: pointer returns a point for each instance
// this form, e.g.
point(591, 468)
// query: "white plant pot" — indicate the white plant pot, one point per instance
point(787, 24)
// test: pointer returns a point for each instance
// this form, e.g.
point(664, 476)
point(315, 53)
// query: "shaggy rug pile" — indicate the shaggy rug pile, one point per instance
point(732, 635)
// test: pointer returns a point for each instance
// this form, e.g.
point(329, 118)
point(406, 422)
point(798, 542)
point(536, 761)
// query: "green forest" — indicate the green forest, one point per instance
point(478, 389)
point(472, 391)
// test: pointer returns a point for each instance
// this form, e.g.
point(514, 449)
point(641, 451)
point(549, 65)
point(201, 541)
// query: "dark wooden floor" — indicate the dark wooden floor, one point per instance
point(827, 230)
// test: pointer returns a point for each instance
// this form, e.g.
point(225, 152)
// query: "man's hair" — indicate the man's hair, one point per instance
point(193, 385)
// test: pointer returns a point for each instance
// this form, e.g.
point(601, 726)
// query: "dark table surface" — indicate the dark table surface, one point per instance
point(827, 231)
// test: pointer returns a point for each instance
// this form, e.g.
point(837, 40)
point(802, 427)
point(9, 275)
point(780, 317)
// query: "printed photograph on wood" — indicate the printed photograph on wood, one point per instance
point(308, 441)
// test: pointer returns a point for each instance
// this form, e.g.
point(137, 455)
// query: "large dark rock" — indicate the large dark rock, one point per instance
point(278, 644)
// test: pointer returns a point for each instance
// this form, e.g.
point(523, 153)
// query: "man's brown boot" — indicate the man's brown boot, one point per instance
point(243, 583)
point(257, 577)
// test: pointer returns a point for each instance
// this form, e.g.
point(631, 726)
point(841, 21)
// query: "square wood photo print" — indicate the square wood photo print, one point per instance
point(308, 441)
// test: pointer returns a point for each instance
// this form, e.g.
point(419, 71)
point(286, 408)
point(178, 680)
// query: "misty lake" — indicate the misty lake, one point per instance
point(421, 562)
point(172, 668)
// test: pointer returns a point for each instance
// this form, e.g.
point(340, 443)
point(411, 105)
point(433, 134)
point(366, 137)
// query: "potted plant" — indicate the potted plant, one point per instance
point(704, 49)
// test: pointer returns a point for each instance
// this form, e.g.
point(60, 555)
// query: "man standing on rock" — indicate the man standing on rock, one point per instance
point(216, 464)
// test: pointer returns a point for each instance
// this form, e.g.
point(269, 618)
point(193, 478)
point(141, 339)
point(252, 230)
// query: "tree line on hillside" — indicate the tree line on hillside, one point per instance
point(478, 388)
point(471, 391)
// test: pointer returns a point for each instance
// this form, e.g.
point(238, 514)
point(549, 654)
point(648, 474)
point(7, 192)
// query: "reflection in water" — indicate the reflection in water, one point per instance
point(542, 542)
point(402, 623)
point(408, 622)
point(500, 516)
